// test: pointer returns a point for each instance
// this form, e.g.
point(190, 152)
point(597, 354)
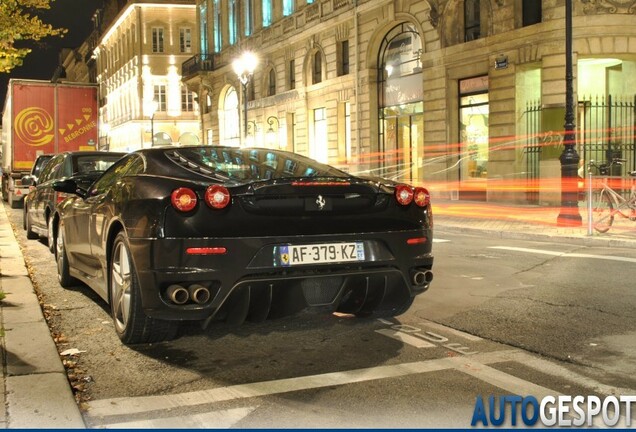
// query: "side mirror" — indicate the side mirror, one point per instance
point(28, 180)
point(69, 186)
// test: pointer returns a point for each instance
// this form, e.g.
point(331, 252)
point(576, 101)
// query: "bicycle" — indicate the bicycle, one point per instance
point(606, 202)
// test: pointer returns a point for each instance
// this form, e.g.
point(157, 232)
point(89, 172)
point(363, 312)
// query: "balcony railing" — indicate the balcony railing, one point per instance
point(196, 64)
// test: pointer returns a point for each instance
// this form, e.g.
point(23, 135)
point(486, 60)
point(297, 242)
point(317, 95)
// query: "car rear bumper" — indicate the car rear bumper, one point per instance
point(248, 281)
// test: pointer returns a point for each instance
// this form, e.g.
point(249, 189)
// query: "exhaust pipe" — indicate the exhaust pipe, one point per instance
point(422, 278)
point(199, 294)
point(177, 294)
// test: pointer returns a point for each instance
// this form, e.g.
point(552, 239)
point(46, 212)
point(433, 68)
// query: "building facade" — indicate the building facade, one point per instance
point(464, 96)
point(138, 58)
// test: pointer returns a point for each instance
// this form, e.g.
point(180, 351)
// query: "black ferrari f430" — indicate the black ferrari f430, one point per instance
point(206, 233)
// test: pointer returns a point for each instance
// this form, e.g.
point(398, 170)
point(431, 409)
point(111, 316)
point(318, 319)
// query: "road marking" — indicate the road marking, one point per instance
point(136, 405)
point(564, 254)
point(439, 240)
point(475, 365)
point(406, 338)
point(215, 419)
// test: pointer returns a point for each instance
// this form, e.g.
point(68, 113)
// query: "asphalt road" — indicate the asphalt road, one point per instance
point(501, 317)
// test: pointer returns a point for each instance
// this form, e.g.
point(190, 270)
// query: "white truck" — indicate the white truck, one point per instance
point(41, 117)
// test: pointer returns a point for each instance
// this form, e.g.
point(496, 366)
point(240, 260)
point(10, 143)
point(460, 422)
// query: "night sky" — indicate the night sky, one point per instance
point(74, 15)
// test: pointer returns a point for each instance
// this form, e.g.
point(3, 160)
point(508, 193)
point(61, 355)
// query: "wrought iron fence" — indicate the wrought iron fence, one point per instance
point(606, 129)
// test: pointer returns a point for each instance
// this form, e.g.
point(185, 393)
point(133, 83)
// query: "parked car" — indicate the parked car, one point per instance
point(38, 165)
point(81, 166)
point(210, 233)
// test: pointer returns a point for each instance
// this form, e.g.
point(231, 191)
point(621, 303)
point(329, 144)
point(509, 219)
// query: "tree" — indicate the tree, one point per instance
point(19, 23)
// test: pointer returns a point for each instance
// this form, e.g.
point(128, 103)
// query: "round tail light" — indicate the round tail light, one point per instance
point(404, 194)
point(421, 197)
point(217, 196)
point(183, 199)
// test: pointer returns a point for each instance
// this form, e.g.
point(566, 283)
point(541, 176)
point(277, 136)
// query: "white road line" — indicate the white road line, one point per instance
point(215, 419)
point(564, 254)
point(450, 330)
point(406, 338)
point(439, 240)
point(135, 405)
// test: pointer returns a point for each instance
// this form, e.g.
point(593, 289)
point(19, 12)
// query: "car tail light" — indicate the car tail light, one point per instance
point(421, 197)
point(404, 194)
point(183, 199)
point(217, 196)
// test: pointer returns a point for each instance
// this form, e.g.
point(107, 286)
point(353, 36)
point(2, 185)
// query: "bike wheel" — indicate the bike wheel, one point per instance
point(602, 211)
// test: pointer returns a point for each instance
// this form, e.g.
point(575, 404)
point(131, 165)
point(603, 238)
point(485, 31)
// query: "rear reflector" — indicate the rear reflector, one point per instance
point(416, 240)
point(206, 251)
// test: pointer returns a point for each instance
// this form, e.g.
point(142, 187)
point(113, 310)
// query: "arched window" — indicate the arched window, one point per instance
point(400, 97)
point(230, 135)
point(271, 83)
point(316, 68)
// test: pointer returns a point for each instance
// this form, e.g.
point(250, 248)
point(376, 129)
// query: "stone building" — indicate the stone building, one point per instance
point(138, 59)
point(464, 96)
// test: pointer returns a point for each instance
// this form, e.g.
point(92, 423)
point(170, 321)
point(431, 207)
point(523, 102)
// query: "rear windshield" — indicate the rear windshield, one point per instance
point(91, 164)
point(249, 163)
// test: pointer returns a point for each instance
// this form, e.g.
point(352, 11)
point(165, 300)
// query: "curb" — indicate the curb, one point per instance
point(37, 393)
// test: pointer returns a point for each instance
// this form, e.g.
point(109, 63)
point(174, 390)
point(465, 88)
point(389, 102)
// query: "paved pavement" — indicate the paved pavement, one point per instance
point(35, 388)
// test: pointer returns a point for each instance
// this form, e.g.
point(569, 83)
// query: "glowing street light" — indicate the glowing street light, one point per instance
point(244, 67)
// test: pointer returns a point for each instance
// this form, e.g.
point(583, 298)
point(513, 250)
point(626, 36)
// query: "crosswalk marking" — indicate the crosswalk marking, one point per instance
point(406, 338)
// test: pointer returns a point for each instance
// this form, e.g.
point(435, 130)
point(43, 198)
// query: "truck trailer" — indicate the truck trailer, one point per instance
point(42, 117)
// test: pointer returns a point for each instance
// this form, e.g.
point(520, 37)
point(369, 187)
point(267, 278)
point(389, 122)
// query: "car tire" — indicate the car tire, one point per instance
point(131, 323)
point(50, 237)
point(30, 234)
point(61, 258)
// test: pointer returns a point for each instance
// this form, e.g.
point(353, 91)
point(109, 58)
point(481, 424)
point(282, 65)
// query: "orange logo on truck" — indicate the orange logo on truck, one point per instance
point(34, 126)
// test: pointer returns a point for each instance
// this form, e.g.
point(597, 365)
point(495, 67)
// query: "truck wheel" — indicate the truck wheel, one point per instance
point(13, 202)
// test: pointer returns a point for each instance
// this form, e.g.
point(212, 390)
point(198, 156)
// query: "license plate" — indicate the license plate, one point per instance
point(291, 255)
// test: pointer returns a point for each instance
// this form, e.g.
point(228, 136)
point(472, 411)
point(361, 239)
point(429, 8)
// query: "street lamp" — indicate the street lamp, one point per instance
point(251, 133)
point(569, 215)
point(244, 67)
point(271, 133)
point(150, 108)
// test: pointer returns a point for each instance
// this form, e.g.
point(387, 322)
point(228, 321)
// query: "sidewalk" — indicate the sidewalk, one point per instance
point(35, 388)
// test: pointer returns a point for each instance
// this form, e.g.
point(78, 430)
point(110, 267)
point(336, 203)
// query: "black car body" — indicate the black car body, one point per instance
point(82, 166)
point(222, 233)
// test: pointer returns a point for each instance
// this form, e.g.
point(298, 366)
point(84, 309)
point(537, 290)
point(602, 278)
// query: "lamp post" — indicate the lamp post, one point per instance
point(244, 67)
point(251, 133)
point(569, 215)
point(271, 133)
point(151, 109)
point(105, 144)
